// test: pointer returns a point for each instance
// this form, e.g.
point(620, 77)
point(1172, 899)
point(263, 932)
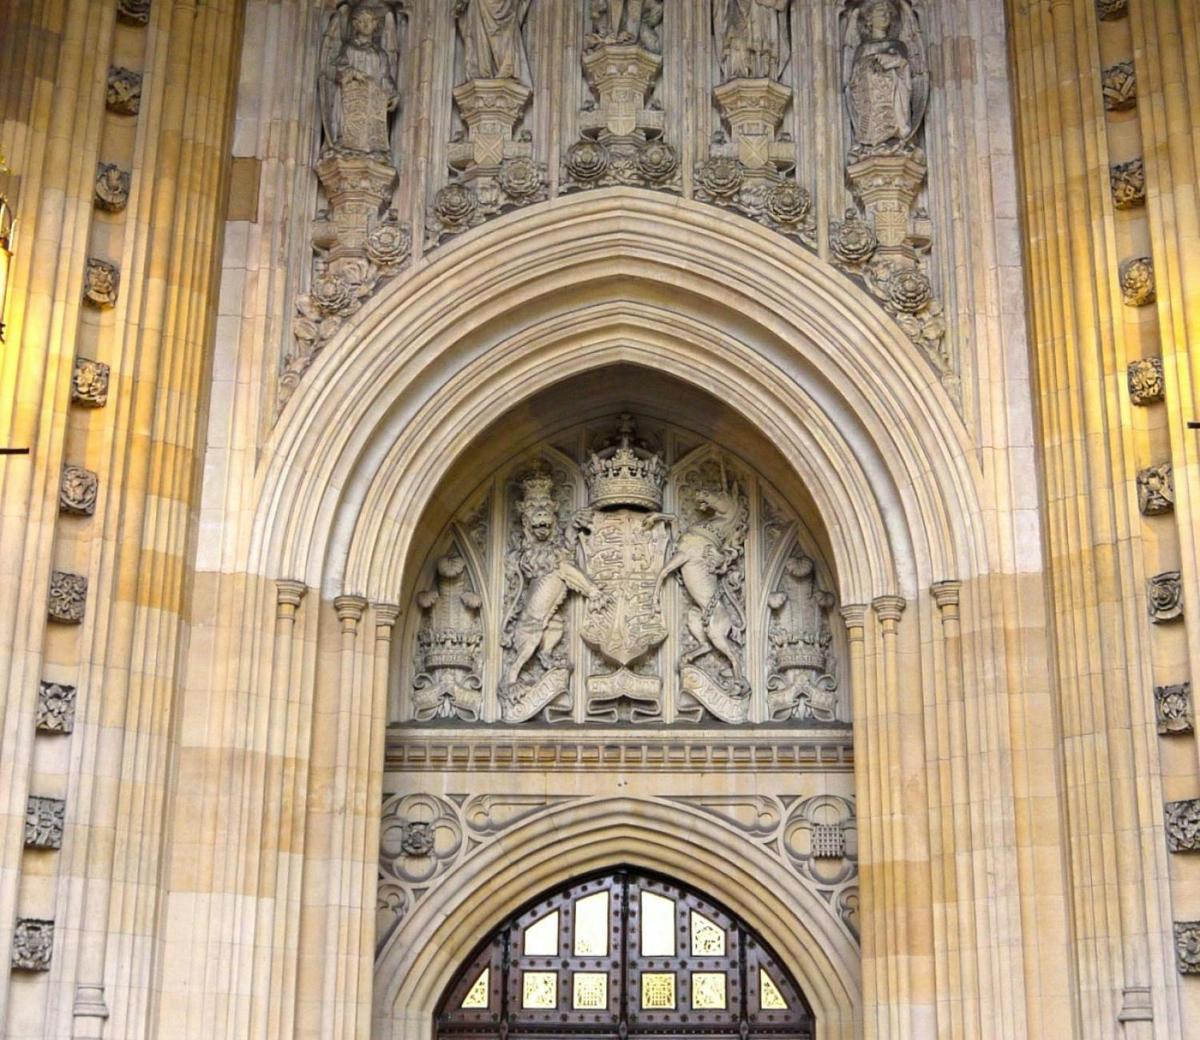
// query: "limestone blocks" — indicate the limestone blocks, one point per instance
point(55, 707)
point(1145, 379)
point(124, 93)
point(1164, 597)
point(1118, 84)
point(112, 187)
point(68, 597)
point(1137, 281)
point(33, 944)
point(1156, 489)
point(77, 490)
point(1128, 181)
point(1173, 708)
point(44, 822)
point(100, 282)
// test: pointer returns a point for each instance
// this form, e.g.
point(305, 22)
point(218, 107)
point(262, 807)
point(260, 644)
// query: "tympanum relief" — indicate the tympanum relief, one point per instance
point(627, 573)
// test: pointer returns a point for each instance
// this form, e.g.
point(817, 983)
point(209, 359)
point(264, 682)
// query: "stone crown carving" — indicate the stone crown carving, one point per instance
point(112, 187)
point(625, 475)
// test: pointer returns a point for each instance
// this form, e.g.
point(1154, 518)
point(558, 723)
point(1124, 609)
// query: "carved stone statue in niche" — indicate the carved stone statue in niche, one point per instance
point(493, 46)
point(803, 671)
point(709, 557)
point(887, 83)
point(541, 574)
point(624, 544)
point(627, 21)
point(360, 73)
point(752, 38)
point(449, 685)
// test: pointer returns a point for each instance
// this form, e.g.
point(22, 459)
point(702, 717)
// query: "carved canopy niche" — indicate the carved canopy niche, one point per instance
point(617, 566)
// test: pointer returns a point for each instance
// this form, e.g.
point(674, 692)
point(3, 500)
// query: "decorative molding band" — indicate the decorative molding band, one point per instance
point(424, 836)
point(418, 749)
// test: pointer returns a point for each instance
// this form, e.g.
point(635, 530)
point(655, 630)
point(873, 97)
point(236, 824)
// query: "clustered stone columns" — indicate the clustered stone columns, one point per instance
point(1103, 137)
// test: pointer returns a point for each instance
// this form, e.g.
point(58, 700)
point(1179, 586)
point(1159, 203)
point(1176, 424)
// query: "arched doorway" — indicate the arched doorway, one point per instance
point(623, 954)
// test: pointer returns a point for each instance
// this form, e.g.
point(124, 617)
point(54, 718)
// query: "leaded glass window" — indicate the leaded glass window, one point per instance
point(623, 954)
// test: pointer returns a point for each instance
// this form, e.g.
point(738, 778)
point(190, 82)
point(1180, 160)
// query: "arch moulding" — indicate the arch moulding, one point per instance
point(564, 843)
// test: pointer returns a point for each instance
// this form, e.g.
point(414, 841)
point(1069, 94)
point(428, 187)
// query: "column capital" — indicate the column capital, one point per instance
point(386, 614)
point(946, 593)
point(350, 608)
point(889, 608)
point(288, 594)
point(855, 615)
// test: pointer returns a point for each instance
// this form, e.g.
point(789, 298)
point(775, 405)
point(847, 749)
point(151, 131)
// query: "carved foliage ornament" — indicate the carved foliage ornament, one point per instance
point(1187, 947)
point(112, 187)
point(1146, 381)
point(1119, 86)
point(1173, 708)
point(44, 822)
point(77, 491)
point(1109, 10)
point(1182, 820)
point(1164, 595)
point(1137, 281)
point(55, 707)
point(33, 944)
point(89, 383)
point(68, 597)
point(124, 93)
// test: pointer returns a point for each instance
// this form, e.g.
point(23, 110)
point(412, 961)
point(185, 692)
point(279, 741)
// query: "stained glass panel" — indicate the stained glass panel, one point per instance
point(539, 989)
point(658, 925)
point(590, 991)
point(708, 937)
point(541, 937)
point(477, 996)
point(591, 925)
point(769, 996)
point(708, 990)
point(658, 990)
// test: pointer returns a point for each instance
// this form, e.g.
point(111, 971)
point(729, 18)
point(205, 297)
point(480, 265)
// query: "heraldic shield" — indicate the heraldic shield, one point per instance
point(624, 551)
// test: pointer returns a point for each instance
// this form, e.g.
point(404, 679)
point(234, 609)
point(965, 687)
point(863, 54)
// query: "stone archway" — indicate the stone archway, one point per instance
point(573, 840)
point(616, 277)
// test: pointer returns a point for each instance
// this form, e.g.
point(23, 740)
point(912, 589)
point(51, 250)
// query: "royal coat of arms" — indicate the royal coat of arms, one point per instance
point(625, 543)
